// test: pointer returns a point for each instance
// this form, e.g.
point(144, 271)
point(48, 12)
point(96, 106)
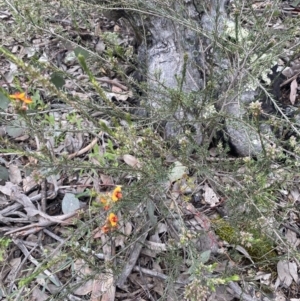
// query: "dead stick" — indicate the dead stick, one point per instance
point(86, 149)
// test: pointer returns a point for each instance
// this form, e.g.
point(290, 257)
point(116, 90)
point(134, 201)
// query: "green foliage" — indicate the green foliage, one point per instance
point(4, 244)
point(171, 172)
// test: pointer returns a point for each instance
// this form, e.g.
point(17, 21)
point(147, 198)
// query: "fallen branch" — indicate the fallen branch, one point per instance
point(85, 149)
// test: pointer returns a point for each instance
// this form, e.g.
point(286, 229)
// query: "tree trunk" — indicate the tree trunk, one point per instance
point(190, 75)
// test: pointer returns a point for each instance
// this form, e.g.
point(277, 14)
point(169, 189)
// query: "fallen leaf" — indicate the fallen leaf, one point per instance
point(244, 252)
point(70, 203)
point(85, 288)
point(177, 172)
point(103, 287)
point(97, 232)
point(132, 161)
point(15, 174)
point(3, 173)
point(204, 256)
point(293, 93)
point(265, 278)
point(100, 47)
point(119, 96)
point(106, 180)
point(14, 265)
point(16, 128)
point(287, 272)
point(209, 196)
point(82, 269)
point(294, 194)
point(291, 237)
point(39, 295)
point(116, 89)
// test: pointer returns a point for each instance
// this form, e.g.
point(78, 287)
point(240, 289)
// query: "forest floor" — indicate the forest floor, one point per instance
point(96, 205)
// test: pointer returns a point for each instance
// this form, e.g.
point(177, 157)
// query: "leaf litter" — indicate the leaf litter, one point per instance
point(67, 133)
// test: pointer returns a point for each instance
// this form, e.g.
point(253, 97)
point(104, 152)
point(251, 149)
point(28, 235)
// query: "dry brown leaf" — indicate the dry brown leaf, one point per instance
point(29, 182)
point(116, 89)
point(293, 93)
point(97, 233)
point(22, 138)
point(38, 295)
point(161, 228)
point(103, 287)
point(158, 286)
point(14, 264)
point(81, 268)
point(84, 289)
point(117, 28)
point(106, 180)
point(132, 161)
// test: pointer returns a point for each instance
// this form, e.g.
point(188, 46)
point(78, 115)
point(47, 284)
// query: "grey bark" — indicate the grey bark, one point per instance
point(192, 30)
point(165, 61)
point(243, 136)
point(173, 62)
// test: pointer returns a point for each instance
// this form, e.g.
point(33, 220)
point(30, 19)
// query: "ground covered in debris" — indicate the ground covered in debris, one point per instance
point(96, 205)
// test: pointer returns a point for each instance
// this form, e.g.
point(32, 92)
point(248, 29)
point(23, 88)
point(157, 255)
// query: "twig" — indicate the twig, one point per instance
point(291, 228)
point(147, 289)
point(289, 80)
point(16, 272)
point(86, 149)
point(56, 237)
point(33, 228)
point(157, 275)
point(21, 246)
point(44, 195)
point(148, 272)
point(133, 294)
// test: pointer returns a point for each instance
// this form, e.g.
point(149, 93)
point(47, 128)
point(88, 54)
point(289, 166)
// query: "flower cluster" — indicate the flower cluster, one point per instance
point(21, 97)
point(111, 223)
point(256, 108)
point(107, 201)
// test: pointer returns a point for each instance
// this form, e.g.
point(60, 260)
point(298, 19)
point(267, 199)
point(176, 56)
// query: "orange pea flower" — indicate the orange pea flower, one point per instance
point(105, 203)
point(116, 194)
point(105, 229)
point(113, 220)
point(21, 96)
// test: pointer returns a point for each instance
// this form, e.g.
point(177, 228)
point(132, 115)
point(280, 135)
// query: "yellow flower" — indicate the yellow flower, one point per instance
point(21, 97)
point(113, 220)
point(116, 194)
